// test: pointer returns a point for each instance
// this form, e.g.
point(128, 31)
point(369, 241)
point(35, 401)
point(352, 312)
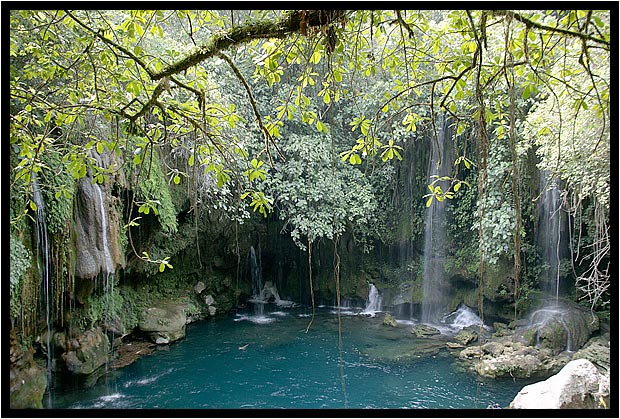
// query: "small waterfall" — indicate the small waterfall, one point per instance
point(551, 313)
point(44, 266)
point(255, 273)
point(434, 232)
point(373, 304)
point(109, 265)
point(462, 317)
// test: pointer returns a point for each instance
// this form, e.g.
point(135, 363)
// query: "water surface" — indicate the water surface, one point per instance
point(271, 362)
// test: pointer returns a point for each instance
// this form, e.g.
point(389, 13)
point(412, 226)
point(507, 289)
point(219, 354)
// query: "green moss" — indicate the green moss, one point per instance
point(20, 260)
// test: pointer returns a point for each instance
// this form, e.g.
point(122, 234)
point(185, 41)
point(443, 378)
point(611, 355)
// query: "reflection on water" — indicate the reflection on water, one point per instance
point(268, 361)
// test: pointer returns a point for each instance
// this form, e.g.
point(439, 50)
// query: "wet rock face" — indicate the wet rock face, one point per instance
point(579, 385)
point(163, 324)
point(504, 358)
point(560, 327)
point(87, 352)
point(28, 380)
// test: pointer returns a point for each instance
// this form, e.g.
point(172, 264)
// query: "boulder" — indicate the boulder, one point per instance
point(208, 299)
point(163, 324)
point(563, 326)
point(199, 287)
point(519, 362)
point(597, 351)
point(388, 320)
point(579, 385)
point(424, 330)
point(466, 336)
point(87, 352)
point(28, 380)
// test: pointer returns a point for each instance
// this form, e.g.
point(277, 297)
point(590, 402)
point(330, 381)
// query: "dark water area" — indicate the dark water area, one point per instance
point(268, 361)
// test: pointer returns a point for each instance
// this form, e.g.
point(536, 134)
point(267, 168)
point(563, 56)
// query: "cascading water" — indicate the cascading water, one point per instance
point(107, 263)
point(44, 267)
point(552, 244)
point(550, 233)
point(373, 304)
point(255, 273)
point(434, 232)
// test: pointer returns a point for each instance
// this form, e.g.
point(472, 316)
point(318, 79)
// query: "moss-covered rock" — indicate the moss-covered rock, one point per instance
point(87, 352)
point(164, 323)
point(28, 380)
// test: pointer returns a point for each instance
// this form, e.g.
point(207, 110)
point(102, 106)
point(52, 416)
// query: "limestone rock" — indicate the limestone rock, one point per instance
point(199, 287)
point(163, 324)
point(597, 351)
point(388, 320)
point(564, 326)
point(466, 336)
point(423, 330)
point(454, 345)
point(208, 299)
point(87, 352)
point(576, 386)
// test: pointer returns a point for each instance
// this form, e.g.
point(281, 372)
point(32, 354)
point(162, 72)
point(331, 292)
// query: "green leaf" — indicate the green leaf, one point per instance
point(190, 161)
point(33, 206)
point(429, 202)
point(176, 179)
point(162, 267)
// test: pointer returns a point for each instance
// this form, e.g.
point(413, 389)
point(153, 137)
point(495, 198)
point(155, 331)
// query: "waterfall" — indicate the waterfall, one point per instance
point(373, 304)
point(434, 232)
point(44, 266)
point(109, 265)
point(255, 273)
point(549, 232)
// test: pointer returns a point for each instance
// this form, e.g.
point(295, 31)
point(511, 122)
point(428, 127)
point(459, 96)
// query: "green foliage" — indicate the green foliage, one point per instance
point(20, 259)
point(154, 194)
point(498, 219)
point(318, 196)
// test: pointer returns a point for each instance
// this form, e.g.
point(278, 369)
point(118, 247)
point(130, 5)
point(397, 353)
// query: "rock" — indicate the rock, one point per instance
point(269, 292)
point(578, 385)
point(473, 352)
point(87, 352)
point(454, 345)
point(501, 329)
point(494, 349)
point(28, 380)
point(525, 362)
point(163, 324)
point(596, 351)
point(466, 336)
point(208, 299)
point(212, 310)
point(388, 320)
point(423, 330)
point(561, 327)
point(91, 225)
point(199, 287)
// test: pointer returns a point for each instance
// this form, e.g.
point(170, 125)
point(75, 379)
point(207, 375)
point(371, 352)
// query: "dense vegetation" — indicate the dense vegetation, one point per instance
point(319, 121)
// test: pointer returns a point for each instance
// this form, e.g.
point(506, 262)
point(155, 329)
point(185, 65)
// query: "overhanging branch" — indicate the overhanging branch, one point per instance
point(291, 22)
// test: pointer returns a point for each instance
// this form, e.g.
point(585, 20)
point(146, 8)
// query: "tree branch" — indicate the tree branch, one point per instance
point(531, 24)
point(264, 130)
point(292, 21)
